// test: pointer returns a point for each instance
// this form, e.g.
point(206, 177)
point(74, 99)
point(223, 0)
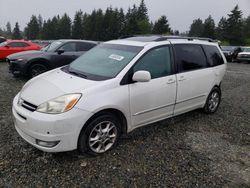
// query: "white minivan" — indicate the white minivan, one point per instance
point(116, 87)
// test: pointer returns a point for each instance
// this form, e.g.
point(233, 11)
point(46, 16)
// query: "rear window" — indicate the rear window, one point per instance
point(214, 57)
point(189, 57)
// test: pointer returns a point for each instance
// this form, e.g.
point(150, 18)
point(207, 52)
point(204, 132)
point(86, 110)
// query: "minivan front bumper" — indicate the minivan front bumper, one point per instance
point(49, 132)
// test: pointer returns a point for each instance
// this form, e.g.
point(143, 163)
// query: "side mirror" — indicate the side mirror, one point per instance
point(141, 76)
point(7, 46)
point(60, 51)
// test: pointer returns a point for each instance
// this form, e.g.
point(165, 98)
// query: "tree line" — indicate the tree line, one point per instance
point(113, 23)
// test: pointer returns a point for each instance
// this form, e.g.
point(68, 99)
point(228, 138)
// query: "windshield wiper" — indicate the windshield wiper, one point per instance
point(77, 73)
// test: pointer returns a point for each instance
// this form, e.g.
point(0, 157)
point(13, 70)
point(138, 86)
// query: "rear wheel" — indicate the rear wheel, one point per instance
point(213, 101)
point(37, 69)
point(100, 135)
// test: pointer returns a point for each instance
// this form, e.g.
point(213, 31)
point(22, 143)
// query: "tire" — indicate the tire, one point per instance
point(213, 101)
point(95, 140)
point(36, 69)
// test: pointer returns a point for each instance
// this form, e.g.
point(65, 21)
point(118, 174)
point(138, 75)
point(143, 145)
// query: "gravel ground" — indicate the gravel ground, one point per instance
point(191, 150)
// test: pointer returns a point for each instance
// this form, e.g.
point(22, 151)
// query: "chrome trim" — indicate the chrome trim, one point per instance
point(152, 109)
point(160, 107)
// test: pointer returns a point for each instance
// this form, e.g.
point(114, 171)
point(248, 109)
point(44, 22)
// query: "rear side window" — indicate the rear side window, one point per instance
point(157, 62)
point(214, 57)
point(84, 46)
point(189, 57)
point(18, 44)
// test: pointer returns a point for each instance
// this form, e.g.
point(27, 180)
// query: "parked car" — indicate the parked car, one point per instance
point(2, 39)
point(117, 87)
point(57, 54)
point(13, 46)
point(231, 52)
point(244, 56)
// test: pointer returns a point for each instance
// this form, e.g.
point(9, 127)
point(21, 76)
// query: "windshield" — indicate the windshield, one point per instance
point(3, 44)
point(227, 48)
point(246, 50)
point(104, 61)
point(52, 47)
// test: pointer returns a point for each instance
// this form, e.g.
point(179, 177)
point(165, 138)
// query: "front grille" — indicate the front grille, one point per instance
point(29, 106)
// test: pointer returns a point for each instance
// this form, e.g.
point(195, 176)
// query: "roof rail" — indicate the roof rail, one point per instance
point(158, 38)
point(183, 37)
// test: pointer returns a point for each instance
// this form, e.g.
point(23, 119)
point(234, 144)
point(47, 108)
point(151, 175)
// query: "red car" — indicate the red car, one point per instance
point(13, 46)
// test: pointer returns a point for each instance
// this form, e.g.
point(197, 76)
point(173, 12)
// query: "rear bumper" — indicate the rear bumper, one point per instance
point(241, 59)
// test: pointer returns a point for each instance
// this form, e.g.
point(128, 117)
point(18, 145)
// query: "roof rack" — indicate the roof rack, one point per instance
point(158, 38)
point(183, 37)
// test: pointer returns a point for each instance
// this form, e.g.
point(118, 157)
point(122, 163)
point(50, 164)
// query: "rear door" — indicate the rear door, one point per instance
point(153, 100)
point(195, 80)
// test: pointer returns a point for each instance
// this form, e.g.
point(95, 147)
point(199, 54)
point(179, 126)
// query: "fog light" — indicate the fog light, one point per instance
point(47, 144)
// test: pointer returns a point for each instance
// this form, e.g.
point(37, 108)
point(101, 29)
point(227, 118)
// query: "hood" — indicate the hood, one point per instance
point(25, 54)
point(53, 84)
point(244, 53)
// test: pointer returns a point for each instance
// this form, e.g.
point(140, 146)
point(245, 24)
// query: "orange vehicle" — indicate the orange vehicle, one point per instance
point(13, 46)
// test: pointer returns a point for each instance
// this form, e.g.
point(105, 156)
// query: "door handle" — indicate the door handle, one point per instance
point(171, 81)
point(182, 78)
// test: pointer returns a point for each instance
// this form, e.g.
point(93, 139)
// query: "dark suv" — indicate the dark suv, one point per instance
point(57, 54)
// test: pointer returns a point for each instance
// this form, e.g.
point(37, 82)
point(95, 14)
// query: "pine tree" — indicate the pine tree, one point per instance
point(221, 29)
point(161, 26)
point(235, 27)
point(142, 12)
point(64, 27)
point(77, 27)
point(209, 28)
point(196, 28)
point(16, 34)
point(8, 30)
point(32, 30)
point(246, 30)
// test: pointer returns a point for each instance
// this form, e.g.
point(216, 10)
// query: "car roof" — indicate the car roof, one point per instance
point(143, 40)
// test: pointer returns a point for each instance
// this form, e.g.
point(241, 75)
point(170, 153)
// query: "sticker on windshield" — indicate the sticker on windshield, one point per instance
point(116, 57)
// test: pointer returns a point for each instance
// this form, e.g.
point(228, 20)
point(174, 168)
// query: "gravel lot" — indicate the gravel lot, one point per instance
point(191, 150)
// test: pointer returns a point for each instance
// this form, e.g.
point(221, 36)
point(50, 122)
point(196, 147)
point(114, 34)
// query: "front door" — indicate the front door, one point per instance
point(153, 100)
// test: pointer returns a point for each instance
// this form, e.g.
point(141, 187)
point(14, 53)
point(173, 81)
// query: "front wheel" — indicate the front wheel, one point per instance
point(213, 101)
point(100, 135)
point(37, 69)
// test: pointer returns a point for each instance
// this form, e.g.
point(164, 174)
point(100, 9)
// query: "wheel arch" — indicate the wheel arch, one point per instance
point(120, 115)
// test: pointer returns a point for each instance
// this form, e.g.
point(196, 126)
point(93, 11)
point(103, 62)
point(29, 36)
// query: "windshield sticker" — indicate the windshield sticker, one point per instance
point(116, 57)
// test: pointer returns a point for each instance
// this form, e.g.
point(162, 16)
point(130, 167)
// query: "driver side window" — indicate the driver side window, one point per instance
point(69, 47)
point(156, 61)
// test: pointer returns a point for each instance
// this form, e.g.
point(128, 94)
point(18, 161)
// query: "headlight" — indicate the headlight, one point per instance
point(60, 104)
point(20, 60)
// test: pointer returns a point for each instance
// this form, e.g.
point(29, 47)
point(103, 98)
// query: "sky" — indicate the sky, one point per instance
point(180, 13)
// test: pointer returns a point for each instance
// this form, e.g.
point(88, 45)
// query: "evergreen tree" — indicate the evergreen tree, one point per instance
point(196, 28)
point(16, 34)
point(235, 27)
point(77, 28)
point(221, 29)
point(40, 23)
point(246, 30)
point(32, 30)
point(131, 23)
point(209, 28)
point(142, 12)
point(8, 30)
point(64, 27)
point(161, 26)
